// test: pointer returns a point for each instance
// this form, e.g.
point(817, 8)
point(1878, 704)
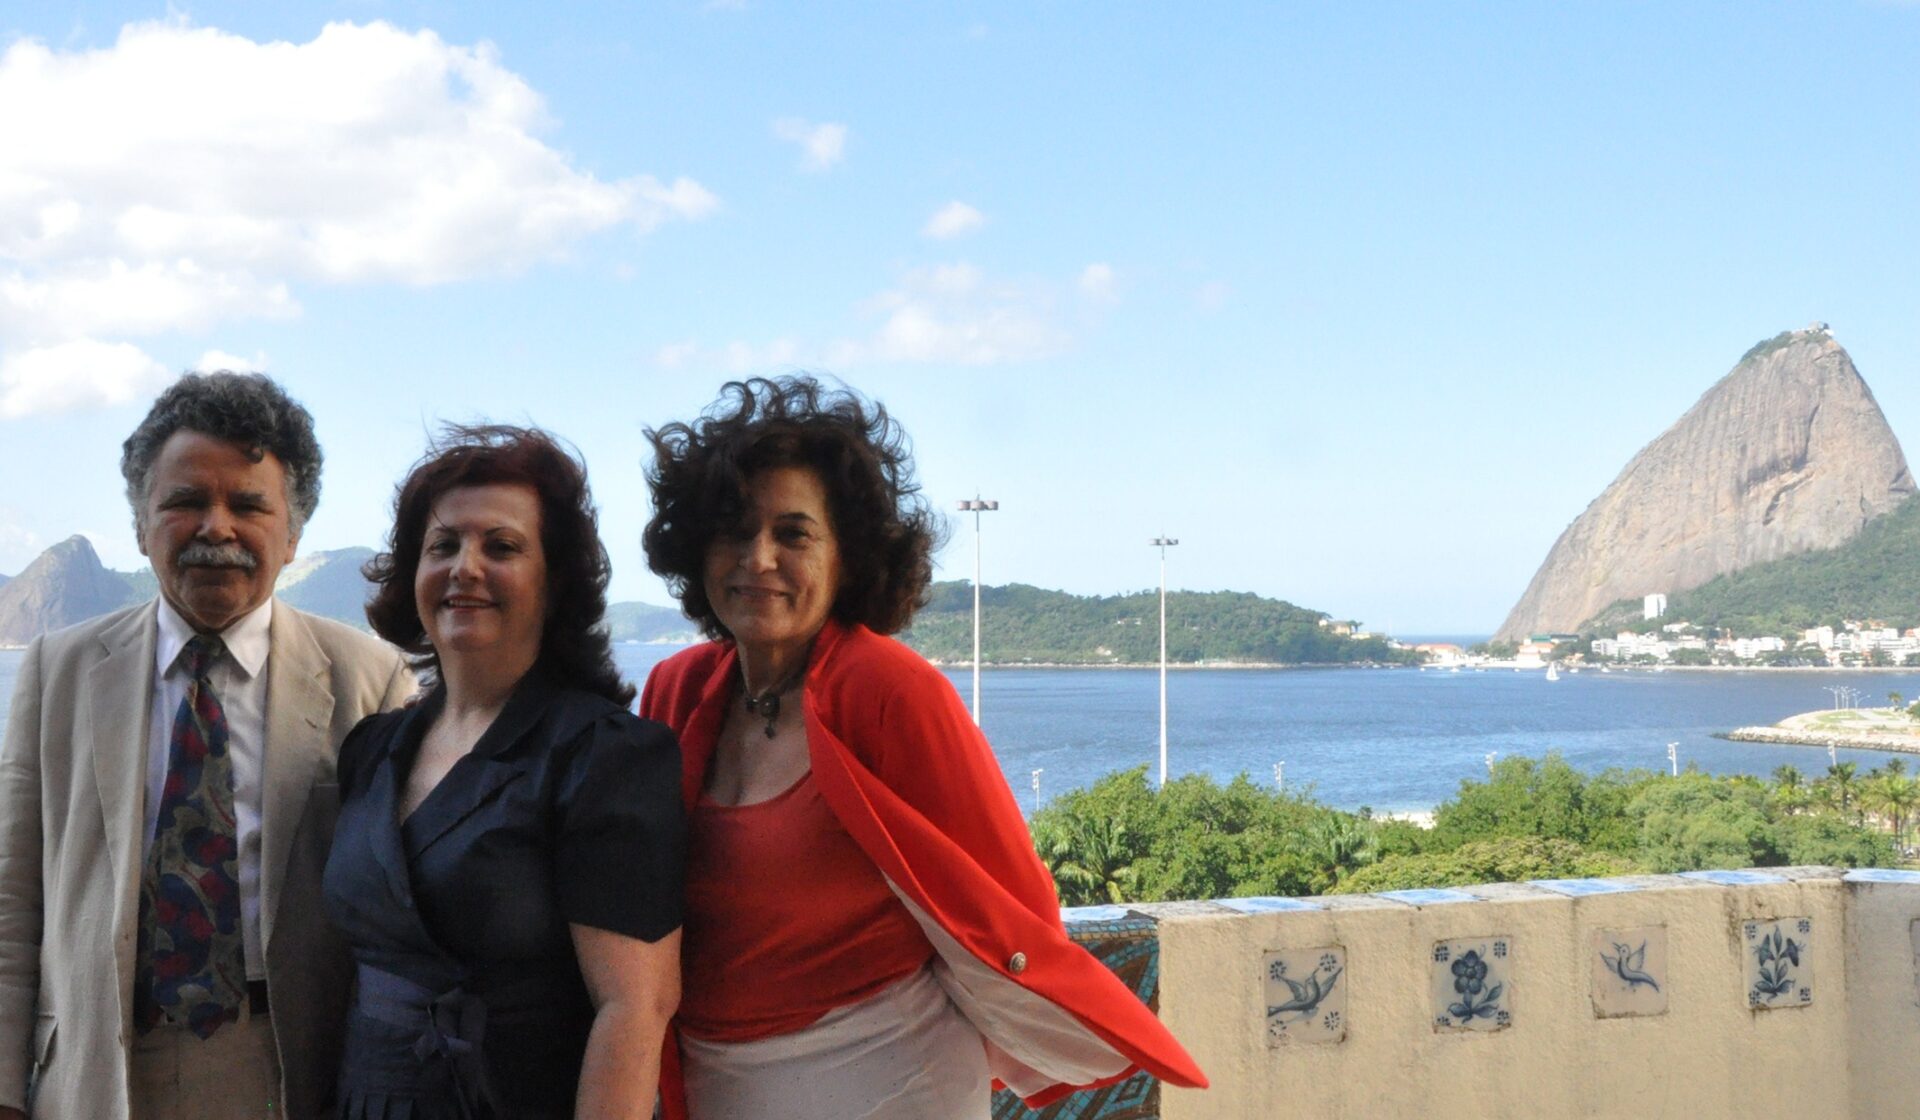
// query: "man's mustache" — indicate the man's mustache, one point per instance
point(201, 555)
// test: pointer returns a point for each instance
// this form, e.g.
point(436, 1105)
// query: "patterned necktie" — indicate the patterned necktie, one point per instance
point(191, 968)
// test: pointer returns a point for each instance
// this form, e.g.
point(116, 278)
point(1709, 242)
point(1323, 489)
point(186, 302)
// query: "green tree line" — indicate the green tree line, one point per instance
point(1120, 840)
point(1023, 623)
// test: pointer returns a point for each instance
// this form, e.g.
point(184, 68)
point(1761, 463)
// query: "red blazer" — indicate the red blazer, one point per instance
point(899, 761)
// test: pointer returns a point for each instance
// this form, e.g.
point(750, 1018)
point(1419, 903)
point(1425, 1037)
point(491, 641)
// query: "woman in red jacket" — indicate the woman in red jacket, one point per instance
point(868, 930)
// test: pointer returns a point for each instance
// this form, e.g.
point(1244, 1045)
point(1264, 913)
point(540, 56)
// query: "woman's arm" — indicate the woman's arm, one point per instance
point(635, 987)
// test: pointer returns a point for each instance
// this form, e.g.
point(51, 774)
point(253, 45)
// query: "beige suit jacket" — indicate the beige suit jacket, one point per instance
point(72, 801)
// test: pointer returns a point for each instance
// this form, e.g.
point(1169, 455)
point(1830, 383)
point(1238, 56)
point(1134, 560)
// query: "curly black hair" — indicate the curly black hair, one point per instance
point(886, 531)
point(574, 648)
point(248, 409)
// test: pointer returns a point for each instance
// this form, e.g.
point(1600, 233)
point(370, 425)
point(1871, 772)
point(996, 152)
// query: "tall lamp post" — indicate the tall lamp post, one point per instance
point(976, 507)
point(1163, 543)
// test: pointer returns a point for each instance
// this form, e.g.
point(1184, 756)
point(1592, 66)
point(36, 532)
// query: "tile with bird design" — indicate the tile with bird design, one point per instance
point(1629, 971)
point(1306, 995)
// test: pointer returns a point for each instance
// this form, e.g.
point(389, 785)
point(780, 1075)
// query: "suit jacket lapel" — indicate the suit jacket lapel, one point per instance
point(491, 764)
point(298, 751)
point(118, 705)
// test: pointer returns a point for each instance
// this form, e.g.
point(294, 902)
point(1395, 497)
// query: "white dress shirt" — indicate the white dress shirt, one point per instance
point(239, 679)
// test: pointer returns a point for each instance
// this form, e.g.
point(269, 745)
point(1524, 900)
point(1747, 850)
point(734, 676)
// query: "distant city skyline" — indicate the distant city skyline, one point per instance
point(1362, 303)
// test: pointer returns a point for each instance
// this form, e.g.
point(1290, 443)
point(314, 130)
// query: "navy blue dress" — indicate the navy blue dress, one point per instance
point(566, 811)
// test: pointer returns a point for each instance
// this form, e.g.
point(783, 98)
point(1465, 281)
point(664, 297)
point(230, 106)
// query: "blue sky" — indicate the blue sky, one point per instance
point(1363, 302)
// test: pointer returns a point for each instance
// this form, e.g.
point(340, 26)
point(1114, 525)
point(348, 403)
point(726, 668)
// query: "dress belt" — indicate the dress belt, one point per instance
point(452, 1026)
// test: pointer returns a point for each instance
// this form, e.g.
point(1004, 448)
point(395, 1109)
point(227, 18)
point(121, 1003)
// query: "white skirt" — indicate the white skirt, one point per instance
point(904, 1054)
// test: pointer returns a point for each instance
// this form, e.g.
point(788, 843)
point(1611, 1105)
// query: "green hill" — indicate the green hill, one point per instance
point(1876, 575)
point(1029, 624)
point(644, 622)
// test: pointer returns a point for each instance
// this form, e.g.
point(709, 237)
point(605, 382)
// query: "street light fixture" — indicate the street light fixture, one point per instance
point(1036, 787)
point(1163, 543)
point(976, 507)
point(1673, 758)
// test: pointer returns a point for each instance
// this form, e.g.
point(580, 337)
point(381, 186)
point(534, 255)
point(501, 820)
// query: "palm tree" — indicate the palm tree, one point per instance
point(1895, 700)
point(1893, 797)
point(1790, 792)
point(1088, 858)
point(1337, 843)
point(1841, 785)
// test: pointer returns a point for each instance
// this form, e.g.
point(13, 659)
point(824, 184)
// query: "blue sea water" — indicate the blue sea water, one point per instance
point(1394, 739)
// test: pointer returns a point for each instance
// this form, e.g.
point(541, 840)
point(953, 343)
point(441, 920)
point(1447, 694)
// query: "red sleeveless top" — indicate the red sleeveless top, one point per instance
point(786, 919)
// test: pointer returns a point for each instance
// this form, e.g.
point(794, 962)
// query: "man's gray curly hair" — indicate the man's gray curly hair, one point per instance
point(248, 409)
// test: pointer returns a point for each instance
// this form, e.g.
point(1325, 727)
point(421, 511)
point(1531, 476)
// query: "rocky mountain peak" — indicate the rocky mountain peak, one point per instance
point(64, 585)
point(1788, 452)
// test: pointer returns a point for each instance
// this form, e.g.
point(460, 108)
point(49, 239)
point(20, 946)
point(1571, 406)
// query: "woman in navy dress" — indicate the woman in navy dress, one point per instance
point(508, 861)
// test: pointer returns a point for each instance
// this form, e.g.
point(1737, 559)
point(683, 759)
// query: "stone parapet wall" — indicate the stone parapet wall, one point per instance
point(1783, 991)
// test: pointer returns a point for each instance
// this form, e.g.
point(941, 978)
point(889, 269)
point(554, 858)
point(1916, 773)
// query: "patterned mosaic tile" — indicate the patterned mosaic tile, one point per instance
point(1306, 1001)
point(1130, 946)
point(1629, 972)
point(1472, 984)
point(1779, 965)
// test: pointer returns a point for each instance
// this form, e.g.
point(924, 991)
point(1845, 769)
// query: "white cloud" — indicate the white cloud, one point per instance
point(949, 314)
point(219, 359)
point(79, 374)
point(186, 176)
point(18, 544)
point(952, 220)
point(1097, 282)
point(676, 355)
point(821, 145)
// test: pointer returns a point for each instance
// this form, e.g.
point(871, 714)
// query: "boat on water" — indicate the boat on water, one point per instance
point(1553, 670)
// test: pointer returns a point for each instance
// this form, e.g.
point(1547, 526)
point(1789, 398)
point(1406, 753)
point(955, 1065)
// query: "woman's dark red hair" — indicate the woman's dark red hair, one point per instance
point(574, 648)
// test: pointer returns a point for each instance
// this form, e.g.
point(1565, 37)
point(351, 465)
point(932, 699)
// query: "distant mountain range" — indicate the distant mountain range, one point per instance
point(1788, 454)
point(67, 584)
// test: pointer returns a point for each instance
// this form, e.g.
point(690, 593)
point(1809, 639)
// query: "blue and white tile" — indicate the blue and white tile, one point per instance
point(1429, 896)
point(1472, 984)
point(1306, 992)
point(1629, 971)
point(1266, 904)
point(1779, 957)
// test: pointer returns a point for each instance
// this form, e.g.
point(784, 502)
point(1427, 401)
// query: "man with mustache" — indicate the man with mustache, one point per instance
point(167, 797)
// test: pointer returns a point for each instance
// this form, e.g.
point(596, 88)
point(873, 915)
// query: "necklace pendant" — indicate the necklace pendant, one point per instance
point(766, 704)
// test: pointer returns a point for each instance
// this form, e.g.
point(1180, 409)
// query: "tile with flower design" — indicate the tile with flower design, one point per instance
point(1629, 968)
point(1779, 962)
point(1306, 995)
point(1473, 984)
